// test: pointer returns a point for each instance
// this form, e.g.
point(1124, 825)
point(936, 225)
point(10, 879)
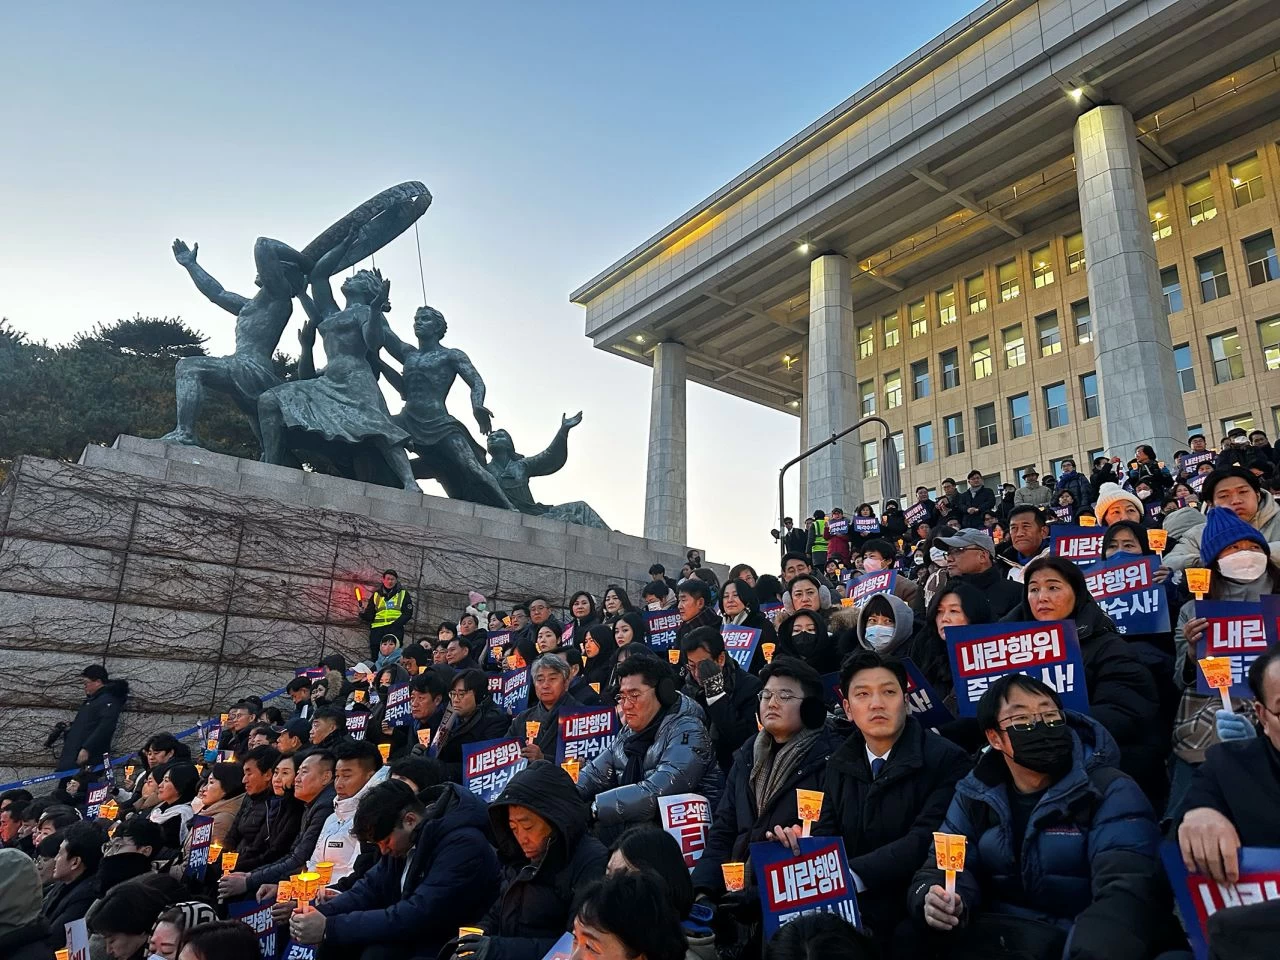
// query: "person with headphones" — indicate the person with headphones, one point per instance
point(887, 788)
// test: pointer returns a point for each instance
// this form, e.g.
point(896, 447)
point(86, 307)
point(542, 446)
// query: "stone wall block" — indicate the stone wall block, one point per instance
point(42, 512)
point(520, 581)
point(172, 683)
point(37, 678)
point(178, 583)
point(181, 532)
point(287, 543)
point(236, 680)
point(268, 643)
point(280, 596)
point(60, 569)
point(30, 621)
point(450, 570)
point(161, 633)
point(351, 642)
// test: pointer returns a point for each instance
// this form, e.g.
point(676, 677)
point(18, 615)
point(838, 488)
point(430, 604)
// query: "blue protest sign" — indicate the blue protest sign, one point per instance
point(585, 734)
point(1048, 651)
point(838, 528)
point(869, 584)
point(1192, 460)
point(1271, 617)
point(1126, 589)
point(513, 697)
point(257, 916)
point(488, 766)
point(831, 689)
point(663, 625)
point(97, 797)
point(496, 642)
point(1235, 630)
point(200, 831)
point(773, 610)
point(866, 526)
point(299, 951)
point(357, 721)
point(1200, 897)
point(740, 643)
point(1081, 545)
point(398, 713)
point(922, 700)
point(915, 514)
point(816, 881)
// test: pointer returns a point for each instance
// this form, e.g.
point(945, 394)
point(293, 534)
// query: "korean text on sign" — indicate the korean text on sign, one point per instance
point(201, 834)
point(922, 700)
point(257, 916)
point(687, 817)
point(816, 881)
point(496, 642)
point(515, 691)
point(488, 767)
point(866, 525)
point(1126, 589)
point(663, 625)
point(1235, 630)
point(585, 734)
point(1200, 897)
point(868, 585)
point(357, 720)
point(398, 712)
point(1081, 545)
point(1048, 651)
point(740, 643)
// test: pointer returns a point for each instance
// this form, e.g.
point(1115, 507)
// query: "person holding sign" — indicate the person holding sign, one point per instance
point(476, 718)
point(1083, 858)
point(741, 608)
point(551, 691)
point(726, 693)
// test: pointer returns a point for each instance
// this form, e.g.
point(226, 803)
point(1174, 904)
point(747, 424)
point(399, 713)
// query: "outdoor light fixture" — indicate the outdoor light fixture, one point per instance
point(804, 247)
point(794, 403)
point(638, 338)
point(1077, 93)
point(788, 360)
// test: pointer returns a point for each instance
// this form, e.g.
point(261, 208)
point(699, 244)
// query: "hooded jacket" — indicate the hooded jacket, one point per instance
point(487, 723)
point(1088, 862)
point(681, 760)
point(416, 903)
point(903, 626)
point(95, 724)
point(336, 843)
point(534, 908)
point(1266, 520)
point(23, 931)
point(313, 817)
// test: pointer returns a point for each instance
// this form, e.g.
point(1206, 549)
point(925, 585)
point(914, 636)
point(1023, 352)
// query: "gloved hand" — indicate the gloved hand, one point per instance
point(708, 675)
point(472, 947)
point(743, 905)
point(1233, 726)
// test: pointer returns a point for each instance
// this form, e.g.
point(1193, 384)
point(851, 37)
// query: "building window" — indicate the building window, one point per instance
point(866, 341)
point(1246, 180)
point(1020, 416)
point(1075, 252)
point(946, 306)
point(890, 330)
point(953, 430)
point(924, 443)
point(1015, 347)
point(1020, 475)
point(1186, 371)
point(1172, 289)
point(893, 389)
point(1055, 465)
point(950, 363)
point(1042, 267)
point(1200, 205)
point(1089, 395)
point(975, 292)
point(980, 357)
point(1242, 420)
point(1083, 320)
point(1228, 364)
point(1212, 269)
point(1055, 406)
point(986, 419)
point(1269, 336)
point(1158, 214)
point(1048, 334)
point(1007, 277)
point(900, 447)
point(919, 320)
point(870, 460)
point(1260, 255)
point(1095, 454)
point(919, 379)
point(867, 391)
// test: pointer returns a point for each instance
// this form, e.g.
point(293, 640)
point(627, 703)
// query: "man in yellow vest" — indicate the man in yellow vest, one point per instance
point(818, 540)
point(388, 610)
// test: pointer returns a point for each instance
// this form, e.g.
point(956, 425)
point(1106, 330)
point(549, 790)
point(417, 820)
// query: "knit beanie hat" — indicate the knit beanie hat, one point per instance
point(1223, 528)
point(1110, 493)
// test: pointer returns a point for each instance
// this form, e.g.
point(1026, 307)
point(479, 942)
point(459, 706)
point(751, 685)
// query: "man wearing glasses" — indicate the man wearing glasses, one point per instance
point(971, 556)
point(1060, 845)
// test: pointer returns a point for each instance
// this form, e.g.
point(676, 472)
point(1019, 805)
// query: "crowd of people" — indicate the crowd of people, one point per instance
point(1063, 811)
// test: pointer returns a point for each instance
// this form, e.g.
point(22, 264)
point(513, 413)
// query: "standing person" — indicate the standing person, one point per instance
point(387, 611)
point(1032, 493)
point(837, 538)
point(1075, 483)
point(794, 540)
point(91, 732)
point(1147, 469)
point(816, 546)
point(974, 502)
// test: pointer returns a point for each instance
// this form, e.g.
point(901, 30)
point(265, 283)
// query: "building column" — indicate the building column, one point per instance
point(834, 477)
point(666, 484)
point(1139, 395)
point(804, 432)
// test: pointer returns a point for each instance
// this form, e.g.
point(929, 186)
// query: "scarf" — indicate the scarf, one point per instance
point(637, 746)
point(774, 765)
point(739, 619)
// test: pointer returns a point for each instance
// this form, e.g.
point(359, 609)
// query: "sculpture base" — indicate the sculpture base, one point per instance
point(199, 577)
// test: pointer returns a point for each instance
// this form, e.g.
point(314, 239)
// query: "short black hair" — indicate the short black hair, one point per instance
point(634, 908)
point(703, 638)
point(297, 684)
point(59, 815)
point(95, 671)
point(950, 480)
point(362, 752)
point(50, 845)
point(334, 714)
point(971, 473)
point(656, 568)
point(804, 578)
point(16, 795)
point(1024, 508)
point(883, 547)
point(222, 938)
point(325, 757)
point(84, 840)
point(392, 573)
point(477, 681)
point(448, 625)
point(861, 660)
point(820, 936)
point(651, 670)
point(142, 832)
point(819, 515)
point(656, 588)
point(382, 808)
point(796, 669)
point(998, 693)
point(264, 758)
point(1258, 671)
point(652, 850)
point(428, 682)
point(795, 555)
point(693, 587)
point(425, 772)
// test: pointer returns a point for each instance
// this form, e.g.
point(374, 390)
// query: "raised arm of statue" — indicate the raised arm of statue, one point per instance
point(325, 268)
point(557, 453)
point(233, 303)
point(307, 339)
point(378, 334)
point(282, 271)
point(471, 377)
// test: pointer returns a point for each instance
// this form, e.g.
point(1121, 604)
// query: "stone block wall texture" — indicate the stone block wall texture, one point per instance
point(198, 584)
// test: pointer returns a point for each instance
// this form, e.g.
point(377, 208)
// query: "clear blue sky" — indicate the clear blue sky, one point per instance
point(554, 137)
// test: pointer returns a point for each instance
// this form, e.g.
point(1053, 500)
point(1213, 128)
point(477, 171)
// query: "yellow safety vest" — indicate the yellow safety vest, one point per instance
point(389, 608)
point(820, 536)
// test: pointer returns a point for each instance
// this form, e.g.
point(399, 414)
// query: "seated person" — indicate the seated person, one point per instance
point(694, 604)
point(1086, 862)
point(658, 595)
point(437, 872)
point(550, 675)
point(250, 833)
point(629, 915)
point(804, 634)
point(971, 559)
point(357, 766)
point(476, 718)
point(878, 554)
point(428, 697)
point(328, 726)
point(727, 694)
point(579, 688)
point(75, 874)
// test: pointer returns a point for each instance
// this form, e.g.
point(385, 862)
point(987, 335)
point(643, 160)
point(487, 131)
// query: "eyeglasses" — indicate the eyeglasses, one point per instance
point(458, 694)
point(1024, 724)
point(768, 696)
point(631, 699)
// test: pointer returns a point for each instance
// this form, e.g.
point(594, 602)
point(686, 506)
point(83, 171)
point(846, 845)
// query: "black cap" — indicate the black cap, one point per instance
point(95, 671)
point(297, 727)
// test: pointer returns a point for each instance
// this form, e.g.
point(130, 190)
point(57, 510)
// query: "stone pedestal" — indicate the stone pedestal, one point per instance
point(199, 577)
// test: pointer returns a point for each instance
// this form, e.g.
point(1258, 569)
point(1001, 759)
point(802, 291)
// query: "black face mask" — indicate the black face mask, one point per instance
point(1043, 749)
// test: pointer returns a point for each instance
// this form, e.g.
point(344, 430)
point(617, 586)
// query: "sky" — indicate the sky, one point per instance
point(554, 138)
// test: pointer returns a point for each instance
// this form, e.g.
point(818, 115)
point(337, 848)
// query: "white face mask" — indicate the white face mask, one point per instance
point(937, 556)
point(878, 636)
point(1143, 494)
point(1244, 566)
point(871, 564)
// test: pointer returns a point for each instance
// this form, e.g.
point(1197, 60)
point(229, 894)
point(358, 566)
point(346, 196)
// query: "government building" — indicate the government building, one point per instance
point(1048, 233)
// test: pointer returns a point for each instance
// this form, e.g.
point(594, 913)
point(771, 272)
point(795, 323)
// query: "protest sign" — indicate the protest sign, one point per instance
point(514, 695)
point(1196, 483)
point(915, 515)
point(200, 831)
point(838, 528)
point(869, 584)
point(1048, 651)
point(687, 817)
point(311, 673)
point(398, 713)
point(922, 700)
point(831, 689)
point(866, 526)
point(585, 734)
point(1271, 617)
point(1154, 512)
point(488, 766)
point(562, 950)
point(1081, 545)
point(816, 881)
point(663, 625)
point(1199, 897)
point(357, 721)
point(1063, 513)
point(256, 916)
point(1234, 631)
point(740, 643)
point(1191, 461)
point(299, 951)
point(97, 796)
point(495, 643)
point(77, 933)
point(1126, 589)
point(773, 610)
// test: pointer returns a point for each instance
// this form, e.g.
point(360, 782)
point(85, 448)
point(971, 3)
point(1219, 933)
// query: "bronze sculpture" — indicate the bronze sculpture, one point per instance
point(512, 471)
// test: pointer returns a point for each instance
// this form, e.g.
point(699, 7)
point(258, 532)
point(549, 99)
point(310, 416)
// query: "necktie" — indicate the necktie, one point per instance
point(876, 766)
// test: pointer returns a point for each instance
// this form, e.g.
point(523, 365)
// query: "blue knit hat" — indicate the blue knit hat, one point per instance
point(1223, 528)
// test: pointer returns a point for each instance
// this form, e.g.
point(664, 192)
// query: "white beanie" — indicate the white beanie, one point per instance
point(1110, 493)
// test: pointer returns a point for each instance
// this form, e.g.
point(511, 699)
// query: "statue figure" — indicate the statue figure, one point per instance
point(446, 451)
point(260, 322)
point(341, 406)
point(513, 471)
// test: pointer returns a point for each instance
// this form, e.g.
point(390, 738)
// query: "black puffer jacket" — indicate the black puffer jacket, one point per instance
point(95, 724)
point(993, 583)
point(248, 835)
point(487, 723)
point(533, 910)
point(732, 718)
